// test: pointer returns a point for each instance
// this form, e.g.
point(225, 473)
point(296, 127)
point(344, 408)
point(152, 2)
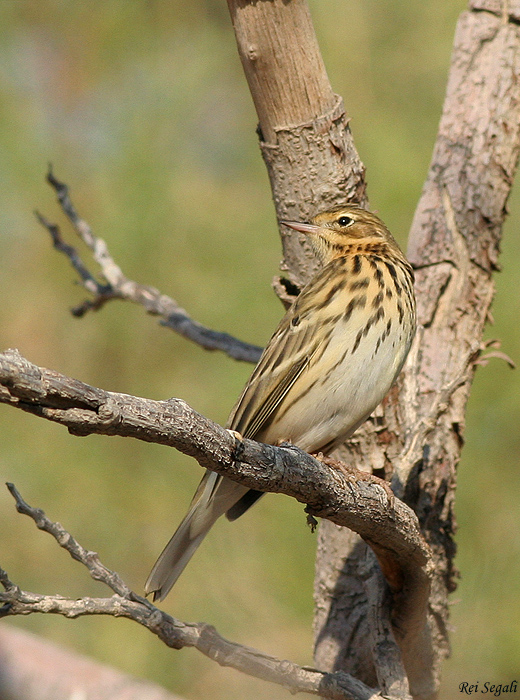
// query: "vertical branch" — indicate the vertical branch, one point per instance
point(282, 63)
point(304, 134)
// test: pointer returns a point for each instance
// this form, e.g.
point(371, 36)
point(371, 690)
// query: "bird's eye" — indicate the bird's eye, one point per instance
point(345, 221)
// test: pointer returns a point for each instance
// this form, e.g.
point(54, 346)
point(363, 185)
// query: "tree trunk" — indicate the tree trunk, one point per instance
point(416, 437)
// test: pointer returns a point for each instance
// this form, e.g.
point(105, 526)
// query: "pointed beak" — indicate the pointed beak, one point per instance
point(303, 228)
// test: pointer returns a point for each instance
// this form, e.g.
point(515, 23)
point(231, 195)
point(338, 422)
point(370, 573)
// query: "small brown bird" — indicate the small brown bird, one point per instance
point(332, 359)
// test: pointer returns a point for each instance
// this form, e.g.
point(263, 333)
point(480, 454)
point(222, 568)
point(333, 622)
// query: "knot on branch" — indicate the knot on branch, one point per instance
point(109, 413)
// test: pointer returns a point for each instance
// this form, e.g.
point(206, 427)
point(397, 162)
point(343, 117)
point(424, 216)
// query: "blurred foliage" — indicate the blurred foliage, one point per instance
point(143, 109)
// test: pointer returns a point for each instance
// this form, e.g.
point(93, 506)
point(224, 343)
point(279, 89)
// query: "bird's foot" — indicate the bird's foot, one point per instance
point(235, 434)
point(354, 474)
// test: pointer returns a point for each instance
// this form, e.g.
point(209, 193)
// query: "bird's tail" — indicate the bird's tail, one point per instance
point(214, 496)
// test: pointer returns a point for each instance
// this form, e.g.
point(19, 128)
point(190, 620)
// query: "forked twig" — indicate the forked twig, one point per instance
point(174, 633)
point(117, 286)
point(98, 571)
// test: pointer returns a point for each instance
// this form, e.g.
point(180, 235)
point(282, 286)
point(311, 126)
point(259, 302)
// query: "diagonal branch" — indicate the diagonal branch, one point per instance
point(97, 570)
point(174, 633)
point(117, 286)
point(354, 499)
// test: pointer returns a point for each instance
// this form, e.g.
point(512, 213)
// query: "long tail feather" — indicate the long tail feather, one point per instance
point(214, 496)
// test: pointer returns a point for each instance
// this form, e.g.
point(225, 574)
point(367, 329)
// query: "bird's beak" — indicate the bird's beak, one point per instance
point(303, 228)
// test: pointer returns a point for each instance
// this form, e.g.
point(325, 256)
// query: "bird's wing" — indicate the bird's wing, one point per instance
point(284, 359)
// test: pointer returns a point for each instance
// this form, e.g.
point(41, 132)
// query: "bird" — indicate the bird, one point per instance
point(333, 357)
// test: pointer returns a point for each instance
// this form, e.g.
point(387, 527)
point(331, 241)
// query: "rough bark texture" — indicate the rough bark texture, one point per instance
point(454, 246)
point(354, 499)
point(304, 134)
point(416, 437)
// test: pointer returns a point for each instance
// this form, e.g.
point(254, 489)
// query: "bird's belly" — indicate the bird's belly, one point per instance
point(340, 390)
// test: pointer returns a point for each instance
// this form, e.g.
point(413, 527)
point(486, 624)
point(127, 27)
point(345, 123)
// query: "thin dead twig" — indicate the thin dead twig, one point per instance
point(117, 286)
point(174, 633)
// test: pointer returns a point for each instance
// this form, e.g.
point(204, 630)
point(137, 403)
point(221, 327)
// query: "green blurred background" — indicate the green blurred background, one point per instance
point(143, 110)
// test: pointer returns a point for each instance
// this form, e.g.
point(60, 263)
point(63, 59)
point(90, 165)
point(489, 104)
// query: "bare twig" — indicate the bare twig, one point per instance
point(117, 286)
point(495, 353)
point(98, 571)
point(174, 633)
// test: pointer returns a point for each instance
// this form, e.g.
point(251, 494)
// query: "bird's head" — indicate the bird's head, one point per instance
point(333, 232)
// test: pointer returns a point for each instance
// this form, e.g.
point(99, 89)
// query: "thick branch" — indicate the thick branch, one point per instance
point(355, 501)
point(277, 43)
point(117, 286)
point(174, 633)
point(391, 674)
